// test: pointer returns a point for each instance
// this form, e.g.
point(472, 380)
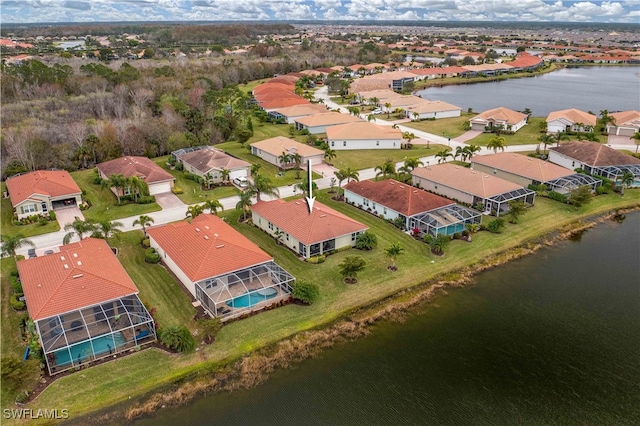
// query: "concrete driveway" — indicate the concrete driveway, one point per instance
point(168, 200)
point(66, 215)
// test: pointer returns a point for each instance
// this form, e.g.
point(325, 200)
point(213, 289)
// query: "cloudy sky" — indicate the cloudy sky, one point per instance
point(23, 11)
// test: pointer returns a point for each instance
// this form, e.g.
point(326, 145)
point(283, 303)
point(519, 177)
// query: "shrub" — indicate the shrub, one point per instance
point(146, 199)
point(176, 190)
point(52, 215)
point(366, 241)
point(16, 285)
point(208, 328)
point(178, 338)
point(305, 292)
point(43, 222)
point(456, 236)
point(16, 304)
point(317, 259)
point(557, 196)
point(151, 256)
point(97, 180)
point(495, 226)
point(146, 243)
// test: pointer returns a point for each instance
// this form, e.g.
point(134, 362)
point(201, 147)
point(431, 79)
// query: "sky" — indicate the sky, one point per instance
point(34, 11)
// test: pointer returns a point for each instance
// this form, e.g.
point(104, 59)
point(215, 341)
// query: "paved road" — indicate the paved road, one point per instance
point(54, 239)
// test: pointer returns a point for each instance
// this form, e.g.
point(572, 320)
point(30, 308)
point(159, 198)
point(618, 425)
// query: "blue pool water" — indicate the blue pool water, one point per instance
point(249, 299)
point(452, 229)
point(82, 351)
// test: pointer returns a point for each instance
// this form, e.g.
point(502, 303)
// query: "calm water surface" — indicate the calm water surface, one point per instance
point(587, 89)
point(553, 338)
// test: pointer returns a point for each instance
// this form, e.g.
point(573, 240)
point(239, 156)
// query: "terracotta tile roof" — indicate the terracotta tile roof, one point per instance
point(363, 130)
point(207, 247)
point(404, 101)
point(327, 119)
point(466, 180)
point(368, 84)
point(403, 198)
point(382, 94)
point(524, 59)
point(276, 146)
point(142, 167)
point(522, 165)
point(52, 183)
point(626, 118)
point(210, 158)
point(438, 70)
point(269, 95)
point(269, 87)
point(574, 116)
point(501, 114)
point(487, 67)
point(432, 106)
point(293, 218)
point(284, 102)
point(302, 110)
point(595, 154)
point(81, 274)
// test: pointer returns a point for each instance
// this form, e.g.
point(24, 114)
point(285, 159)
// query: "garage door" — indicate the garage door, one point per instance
point(159, 188)
point(315, 160)
point(237, 173)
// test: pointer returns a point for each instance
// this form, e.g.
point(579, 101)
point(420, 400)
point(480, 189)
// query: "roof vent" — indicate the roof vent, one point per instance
point(298, 202)
point(220, 246)
point(77, 276)
point(323, 215)
point(472, 172)
point(197, 229)
point(392, 183)
point(206, 237)
point(66, 266)
point(79, 263)
point(75, 254)
point(206, 227)
point(415, 191)
point(62, 258)
point(401, 187)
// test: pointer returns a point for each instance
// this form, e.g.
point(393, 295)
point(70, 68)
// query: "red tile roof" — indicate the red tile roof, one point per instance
point(523, 60)
point(207, 247)
point(81, 274)
point(293, 217)
point(52, 183)
point(142, 167)
point(398, 196)
point(284, 102)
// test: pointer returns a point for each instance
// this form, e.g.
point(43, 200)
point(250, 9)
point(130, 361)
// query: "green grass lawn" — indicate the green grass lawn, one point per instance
point(527, 135)
point(364, 159)
point(8, 228)
point(452, 127)
point(104, 202)
point(248, 88)
point(135, 375)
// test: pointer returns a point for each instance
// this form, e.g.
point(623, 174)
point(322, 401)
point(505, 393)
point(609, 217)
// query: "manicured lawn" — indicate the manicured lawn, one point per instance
point(527, 135)
point(452, 127)
point(364, 159)
point(136, 375)
point(8, 228)
point(104, 203)
point(248, 88)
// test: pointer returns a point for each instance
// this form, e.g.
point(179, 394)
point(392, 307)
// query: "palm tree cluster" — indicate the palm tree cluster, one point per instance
point(84, 228)
point(120, 183)
point(348, 175)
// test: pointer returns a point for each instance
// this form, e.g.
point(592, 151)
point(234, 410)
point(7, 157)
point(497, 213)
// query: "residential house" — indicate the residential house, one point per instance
point(307, 234)
point(270, 150)
point(158, 179)
point(416, 208)
point(626, 123)
point(503, 118)
point(319, 123)
point(84, 305)
point(42, 191)
point(596, 159)
point(209, 162)
point(291, 113)
point(363, 135)
point(569, 120)
point(432, 109)
point(525, 171)
point(226, 273)
point(485, 192)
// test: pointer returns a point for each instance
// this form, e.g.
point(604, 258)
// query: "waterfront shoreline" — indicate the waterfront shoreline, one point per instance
point(256, 367)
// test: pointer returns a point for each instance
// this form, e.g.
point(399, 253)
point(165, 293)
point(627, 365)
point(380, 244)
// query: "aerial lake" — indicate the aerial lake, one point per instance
point(552, 338)
point(588, 89)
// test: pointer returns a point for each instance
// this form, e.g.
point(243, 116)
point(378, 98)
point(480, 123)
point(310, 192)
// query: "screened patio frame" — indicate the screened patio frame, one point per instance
point(566, 184)
point(441, 220)
point(497, 202)
point(614, 173)
point(219, 295)
point(93, 332)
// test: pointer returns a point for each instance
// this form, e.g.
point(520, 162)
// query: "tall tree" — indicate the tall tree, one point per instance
point(262, 185)
point(348, 175)
point(546, 139)
point(244, 203)
point(194, 211)
point(116, 182)
point(636, 139)
point(469, 151)
point(496, 143)
point(385, 169)
point(78, 228)
point(329, 154)
point(409, 136)
point(516, 210)
point(143, 221)
point(350, 267)
point(11, 243)
point(106, 229)
point(443, 155)
point(213, 206)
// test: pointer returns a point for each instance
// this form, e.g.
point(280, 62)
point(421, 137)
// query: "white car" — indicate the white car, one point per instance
point(376, 111)
point(241, 181)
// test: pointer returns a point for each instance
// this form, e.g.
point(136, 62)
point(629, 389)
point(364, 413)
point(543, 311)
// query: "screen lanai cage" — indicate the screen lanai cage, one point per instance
point(445, 220)
point(233, 294)
point(566, 184)
point(615, 173)
point(84, 335)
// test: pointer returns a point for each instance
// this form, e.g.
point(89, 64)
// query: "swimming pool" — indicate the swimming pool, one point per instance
point(249, 299)
point(82, 351)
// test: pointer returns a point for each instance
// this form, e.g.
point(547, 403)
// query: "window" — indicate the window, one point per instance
point(435, 186)
point(270, 226)
point(377, 143)
point(354, 236)
point(287, 237)
point(344, 143)
point(29, 208)
point(44, 207)
point(127, 190)
point(333, 143)
point(384, 210)
point(365, 202)
point(495, 171)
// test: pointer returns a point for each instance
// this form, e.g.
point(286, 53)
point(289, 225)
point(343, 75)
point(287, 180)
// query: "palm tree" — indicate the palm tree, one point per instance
point(106, 229)
point(224, 175)
point(78, 228)
point(387, 105)
point(11, 243)
point(143, 221)
point(194, 211)
point(437, 243)
point(374, 101)
point(546, 140)
point(411, 163)
point(459, 151)
point(83, 154)
point(371, 118)
point(472, 228)
point(469, 151)
point(605, 119)
point(304, 186)
point(208, 180)
point(116, 182)
point(329, 154)
point(386, 168)
point(213, 206)
point(262, 185)
point(348, 175)
point(416, 115)
point(392, 252)
point(443, 155)
point(284, 159)
point(636, 139)
point(559, 136)
point(627, 179)
point(255, 168)
point(496, 144)
point(137, 186)
point(244, 203)
point(409, 136)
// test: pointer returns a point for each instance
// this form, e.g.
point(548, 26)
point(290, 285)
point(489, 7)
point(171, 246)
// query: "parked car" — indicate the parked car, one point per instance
point(48, 252)
point(241, 181)
point(376, 111)
point(32, 253)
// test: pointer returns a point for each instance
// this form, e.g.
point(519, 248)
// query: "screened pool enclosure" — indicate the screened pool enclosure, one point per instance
point(233, 294)
point(446, 220)
point(94, 332)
